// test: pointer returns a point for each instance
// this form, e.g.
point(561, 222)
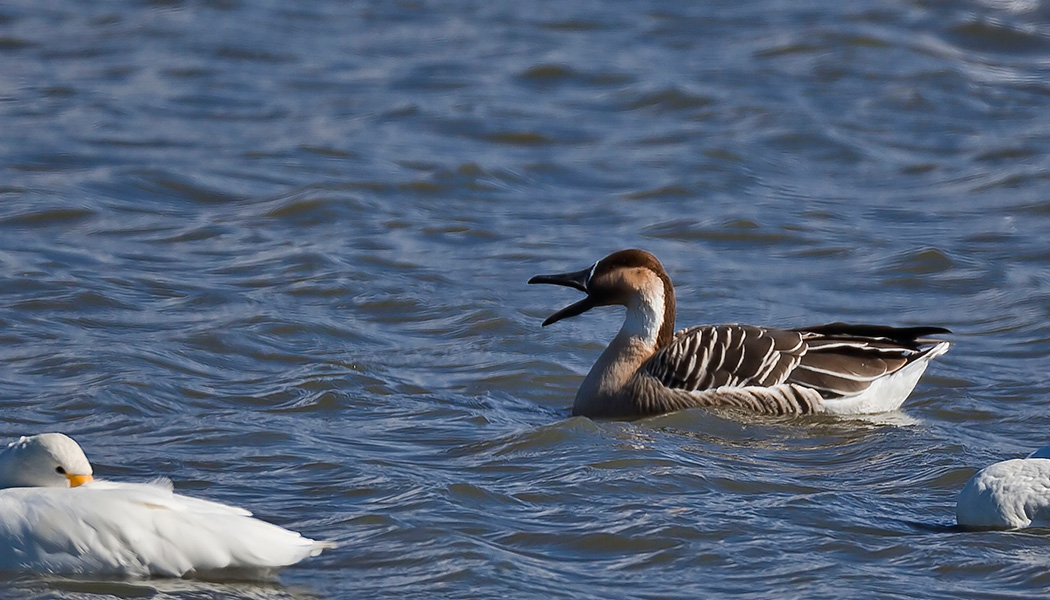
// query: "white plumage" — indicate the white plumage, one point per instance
point(1008, 495)
point(103, 528)
point(886, 392)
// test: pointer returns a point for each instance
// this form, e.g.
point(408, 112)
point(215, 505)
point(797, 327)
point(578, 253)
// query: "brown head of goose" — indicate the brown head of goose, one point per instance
point(649, 369)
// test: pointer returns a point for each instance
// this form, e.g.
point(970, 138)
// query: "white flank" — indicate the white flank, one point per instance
point(137, 530)
point(887, 393)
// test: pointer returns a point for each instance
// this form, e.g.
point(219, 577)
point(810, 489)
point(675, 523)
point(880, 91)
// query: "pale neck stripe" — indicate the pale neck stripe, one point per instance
point(591, 274)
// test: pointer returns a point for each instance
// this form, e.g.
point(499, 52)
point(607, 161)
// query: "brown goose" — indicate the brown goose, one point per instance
point(649, 369)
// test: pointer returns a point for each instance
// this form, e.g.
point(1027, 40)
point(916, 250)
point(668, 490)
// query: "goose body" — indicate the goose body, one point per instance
point(101, 528)
point(1008, 495)
point(650, 369)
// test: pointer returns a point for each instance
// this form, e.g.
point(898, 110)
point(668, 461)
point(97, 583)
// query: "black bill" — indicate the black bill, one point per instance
point(577, 280)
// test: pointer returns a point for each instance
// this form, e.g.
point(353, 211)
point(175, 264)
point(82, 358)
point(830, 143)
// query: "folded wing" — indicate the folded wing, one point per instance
point(836, 360)
point(138, 530)
point(712, 356)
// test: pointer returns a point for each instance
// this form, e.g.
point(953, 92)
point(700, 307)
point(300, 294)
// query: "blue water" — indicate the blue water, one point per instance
point(277, 252)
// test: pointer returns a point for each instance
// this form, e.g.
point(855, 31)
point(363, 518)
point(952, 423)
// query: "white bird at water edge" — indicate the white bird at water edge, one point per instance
point(56, 519)
point(1008, 495)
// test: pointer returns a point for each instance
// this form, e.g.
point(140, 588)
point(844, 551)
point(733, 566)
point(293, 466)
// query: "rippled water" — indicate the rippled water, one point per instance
point(277, 252)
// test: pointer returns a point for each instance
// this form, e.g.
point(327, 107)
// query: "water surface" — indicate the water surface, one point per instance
point(278, 254)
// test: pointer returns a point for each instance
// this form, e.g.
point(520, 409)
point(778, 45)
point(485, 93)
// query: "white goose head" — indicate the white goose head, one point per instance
point(631, 278)
point(45, 460)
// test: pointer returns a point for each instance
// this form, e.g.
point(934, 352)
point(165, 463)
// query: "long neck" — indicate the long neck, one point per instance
point(644, 321)
point(666, 331)
point(647, 327)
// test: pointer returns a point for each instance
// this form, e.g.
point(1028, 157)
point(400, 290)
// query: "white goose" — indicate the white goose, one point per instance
point(649, 369)
point(55, 519)
point(1008, 495)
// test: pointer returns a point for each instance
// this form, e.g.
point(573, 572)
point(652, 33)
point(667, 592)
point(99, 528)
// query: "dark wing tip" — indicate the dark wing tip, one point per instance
point(874, 331)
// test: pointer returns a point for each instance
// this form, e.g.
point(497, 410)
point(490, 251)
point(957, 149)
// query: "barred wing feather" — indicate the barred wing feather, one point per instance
point(844, 360)
point(712, 356)
point(836, 360)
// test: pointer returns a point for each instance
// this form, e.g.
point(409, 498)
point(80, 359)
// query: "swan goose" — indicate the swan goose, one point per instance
point(650, 369)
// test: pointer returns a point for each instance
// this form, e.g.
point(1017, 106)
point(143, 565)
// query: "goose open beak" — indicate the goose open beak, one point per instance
point(576, 280)
point(75, 480)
